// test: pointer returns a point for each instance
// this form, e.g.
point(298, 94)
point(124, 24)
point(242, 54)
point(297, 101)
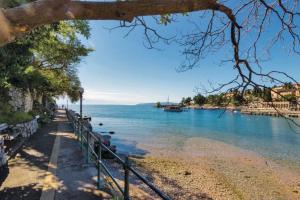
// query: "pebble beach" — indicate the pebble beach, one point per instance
point(208, 169)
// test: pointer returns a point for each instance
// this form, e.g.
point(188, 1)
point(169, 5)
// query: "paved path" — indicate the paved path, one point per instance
point(51, 166)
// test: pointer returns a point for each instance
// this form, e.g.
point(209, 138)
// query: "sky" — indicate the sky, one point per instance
point(122, 71)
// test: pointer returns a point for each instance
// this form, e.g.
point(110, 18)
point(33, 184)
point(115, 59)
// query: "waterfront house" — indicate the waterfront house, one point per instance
point(274, 106)
point(284, 90)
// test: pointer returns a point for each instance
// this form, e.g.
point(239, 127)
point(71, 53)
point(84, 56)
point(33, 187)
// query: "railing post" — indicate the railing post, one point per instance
point(99, 161)
point(126, 179)
point(77, 128)
point(74, 126)
point(87, 147)
point(81, 137)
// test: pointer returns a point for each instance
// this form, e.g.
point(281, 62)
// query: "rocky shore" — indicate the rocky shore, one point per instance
point(207, 169)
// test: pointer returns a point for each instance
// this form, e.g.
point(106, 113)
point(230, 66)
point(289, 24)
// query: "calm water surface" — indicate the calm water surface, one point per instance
point(269, 136)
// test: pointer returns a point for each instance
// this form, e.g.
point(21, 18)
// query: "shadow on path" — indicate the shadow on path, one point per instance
point(27, 168)
point(30, 191)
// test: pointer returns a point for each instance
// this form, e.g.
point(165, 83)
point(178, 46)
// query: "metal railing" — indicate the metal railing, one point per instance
point(87, 141)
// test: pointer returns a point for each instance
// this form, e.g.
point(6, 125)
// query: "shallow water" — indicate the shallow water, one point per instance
point(142, 124)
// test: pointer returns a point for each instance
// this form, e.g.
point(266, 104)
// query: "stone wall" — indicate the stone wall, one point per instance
point(3, 156)
point(20, 100)
point(24, 130)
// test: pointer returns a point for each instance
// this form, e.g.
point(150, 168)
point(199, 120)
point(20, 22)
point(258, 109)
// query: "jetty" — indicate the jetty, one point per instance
point(276, 109)
point(271, 112)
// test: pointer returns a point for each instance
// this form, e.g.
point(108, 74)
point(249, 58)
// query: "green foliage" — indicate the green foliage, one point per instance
point(256, 91)
point(45, 60)
point(234, 97)
point(15, 117)
point(58, 47)
point(182, 101)
point(267, 94)
point(290, 97)
point(264, 94)
point(7, 115)
point(288, 86)
point(216, 99)
point(14, 58)
point(199, 99)
point(237, 99)
point(54, 82)
point(168, 18)
point(11, 3)
point(188, 101)
point(158, 105)
point(165, 19)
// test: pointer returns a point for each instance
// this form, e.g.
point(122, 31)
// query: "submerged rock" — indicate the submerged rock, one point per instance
point(186, 173)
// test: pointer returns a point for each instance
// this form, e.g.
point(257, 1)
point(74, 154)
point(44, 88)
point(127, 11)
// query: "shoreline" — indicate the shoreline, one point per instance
point(201, 168)
point(216, 170)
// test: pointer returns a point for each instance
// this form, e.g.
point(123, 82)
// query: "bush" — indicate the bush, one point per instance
point(7, 115)
point(199, 99)
point(15, 117)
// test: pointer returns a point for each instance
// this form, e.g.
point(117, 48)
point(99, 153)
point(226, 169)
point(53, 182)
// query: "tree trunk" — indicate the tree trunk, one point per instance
point(15, 22)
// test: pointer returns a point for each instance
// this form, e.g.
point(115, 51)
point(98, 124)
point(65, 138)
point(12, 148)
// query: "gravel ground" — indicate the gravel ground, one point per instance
point(216, 170)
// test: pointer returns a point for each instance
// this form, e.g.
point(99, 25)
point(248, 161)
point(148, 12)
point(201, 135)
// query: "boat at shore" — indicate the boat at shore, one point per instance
point(173, 109)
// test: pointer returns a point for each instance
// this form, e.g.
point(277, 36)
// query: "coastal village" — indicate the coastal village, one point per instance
point(277, 101)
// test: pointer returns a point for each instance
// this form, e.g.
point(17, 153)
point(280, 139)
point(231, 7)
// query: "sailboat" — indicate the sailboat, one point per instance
point(172, 108)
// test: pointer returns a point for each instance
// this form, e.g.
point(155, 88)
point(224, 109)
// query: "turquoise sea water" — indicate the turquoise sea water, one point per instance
point(268, 136)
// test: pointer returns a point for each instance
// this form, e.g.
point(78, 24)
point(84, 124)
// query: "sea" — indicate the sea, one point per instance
point(138, 125)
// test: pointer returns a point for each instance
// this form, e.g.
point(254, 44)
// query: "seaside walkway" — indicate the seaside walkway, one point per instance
point(50, 166)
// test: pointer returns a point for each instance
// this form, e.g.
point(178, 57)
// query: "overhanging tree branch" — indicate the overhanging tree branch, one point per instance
point(19, 20)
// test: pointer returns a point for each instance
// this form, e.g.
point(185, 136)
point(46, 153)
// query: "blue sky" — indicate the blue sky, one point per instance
point(122, 71)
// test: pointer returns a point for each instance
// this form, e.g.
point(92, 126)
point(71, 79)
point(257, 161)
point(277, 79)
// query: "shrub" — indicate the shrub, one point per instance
point(7, 115)
point(15, 117)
